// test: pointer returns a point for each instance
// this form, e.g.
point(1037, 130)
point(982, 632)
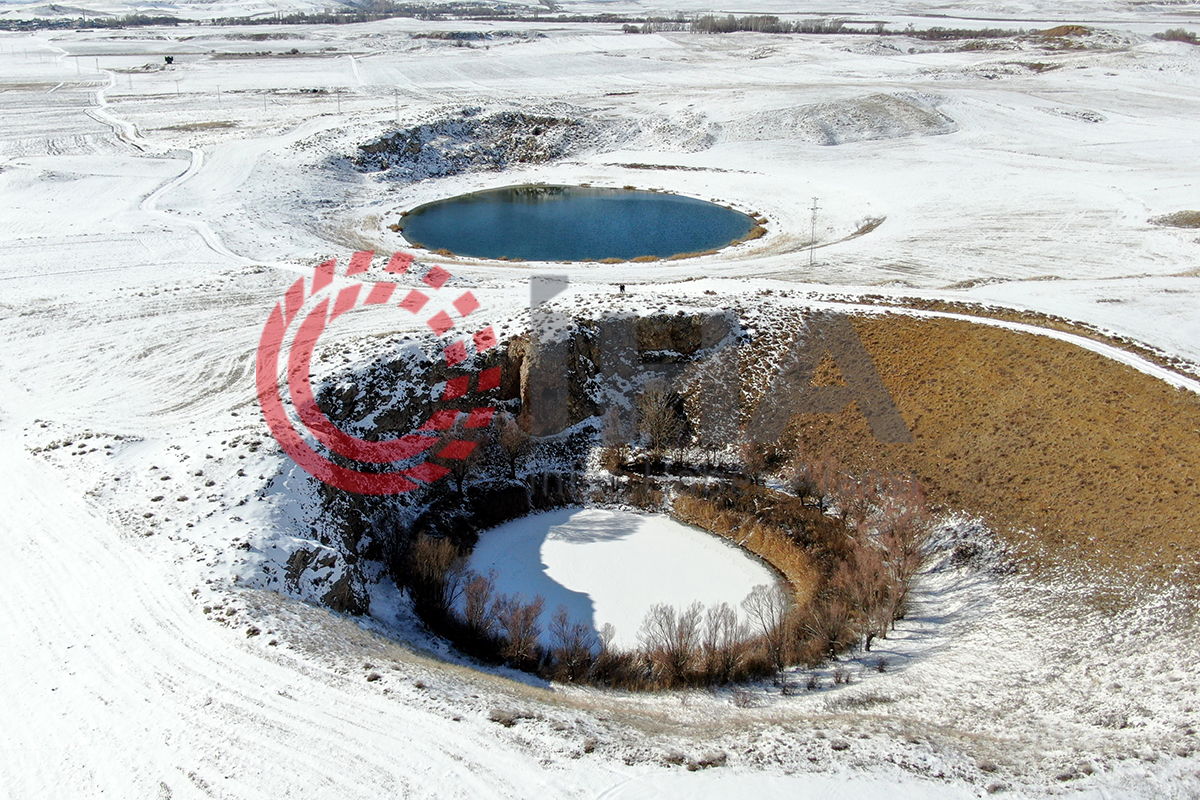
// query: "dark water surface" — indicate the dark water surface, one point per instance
point(573, 223)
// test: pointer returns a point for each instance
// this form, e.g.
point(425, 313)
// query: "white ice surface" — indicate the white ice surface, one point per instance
point(609, 567)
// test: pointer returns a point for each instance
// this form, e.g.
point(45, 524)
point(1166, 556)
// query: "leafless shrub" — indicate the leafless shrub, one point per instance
point(615, 435)
point(723, 636)
point(815, 481)
point(659, 419)
point(644, 494)
point(618, 668)
point(754, 461)
point(436, 571)
point(571, 646)
point(519, 622)
point(479, 606)
point(1178, 35)
point(830, 624)
point(508, 717)
point(463, 443)
point(904, 529)
point(766, 607)
point(670, 641)
point(512, 441)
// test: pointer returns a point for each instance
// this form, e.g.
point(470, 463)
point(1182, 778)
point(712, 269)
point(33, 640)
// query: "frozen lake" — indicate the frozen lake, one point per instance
point(611, 566)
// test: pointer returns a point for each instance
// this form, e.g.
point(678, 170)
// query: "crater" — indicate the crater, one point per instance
point(575, 223)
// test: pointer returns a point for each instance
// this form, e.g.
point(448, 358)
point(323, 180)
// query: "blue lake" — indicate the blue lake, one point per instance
point(573, 223)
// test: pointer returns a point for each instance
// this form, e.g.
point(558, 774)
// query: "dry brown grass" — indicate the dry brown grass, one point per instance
point(1066, 30)
point(1072, 457)
point(695, 254)
point(1180, 219)
point(765, 541)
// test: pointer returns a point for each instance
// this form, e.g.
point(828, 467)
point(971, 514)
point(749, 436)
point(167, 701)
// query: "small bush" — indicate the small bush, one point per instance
point(716, 758)
point(1178, 35)
point(505, 717)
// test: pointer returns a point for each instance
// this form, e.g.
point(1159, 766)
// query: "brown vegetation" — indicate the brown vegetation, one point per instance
point(1178, 35)
point(1072, 457)
point(850, 570)
point(1066, 30)
point(1180, 219)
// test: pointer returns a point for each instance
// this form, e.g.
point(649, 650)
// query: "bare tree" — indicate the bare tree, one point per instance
point(479, 607)
point(512, 441)
point(865, 582)
point(436, 571)
point(659, 419)
point(754, 460)
point(816, 481)
point(670, 640)
point(904, 530)
point(615, 434)
point(766, 607)
point(462, 451)
point(521, 627)
point(830, 622)
point(723, 635)
point(572, 644)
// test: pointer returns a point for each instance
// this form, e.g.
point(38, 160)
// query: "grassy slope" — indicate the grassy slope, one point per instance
point(1069, 455)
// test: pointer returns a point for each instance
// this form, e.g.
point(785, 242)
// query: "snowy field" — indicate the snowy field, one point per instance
point(608, 567)
point(155, 643)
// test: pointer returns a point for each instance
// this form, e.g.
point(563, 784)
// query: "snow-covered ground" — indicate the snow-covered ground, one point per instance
point(153, 642)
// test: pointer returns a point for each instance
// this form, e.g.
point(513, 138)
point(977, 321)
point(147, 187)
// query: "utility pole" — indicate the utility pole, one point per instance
point(812, 236)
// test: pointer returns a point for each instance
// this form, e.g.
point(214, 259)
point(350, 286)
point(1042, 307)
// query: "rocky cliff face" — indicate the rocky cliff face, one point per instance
point(566, 378)
point(558, 381)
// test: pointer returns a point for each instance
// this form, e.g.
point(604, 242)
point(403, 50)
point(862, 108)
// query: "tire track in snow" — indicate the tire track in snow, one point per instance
point(114, 684)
